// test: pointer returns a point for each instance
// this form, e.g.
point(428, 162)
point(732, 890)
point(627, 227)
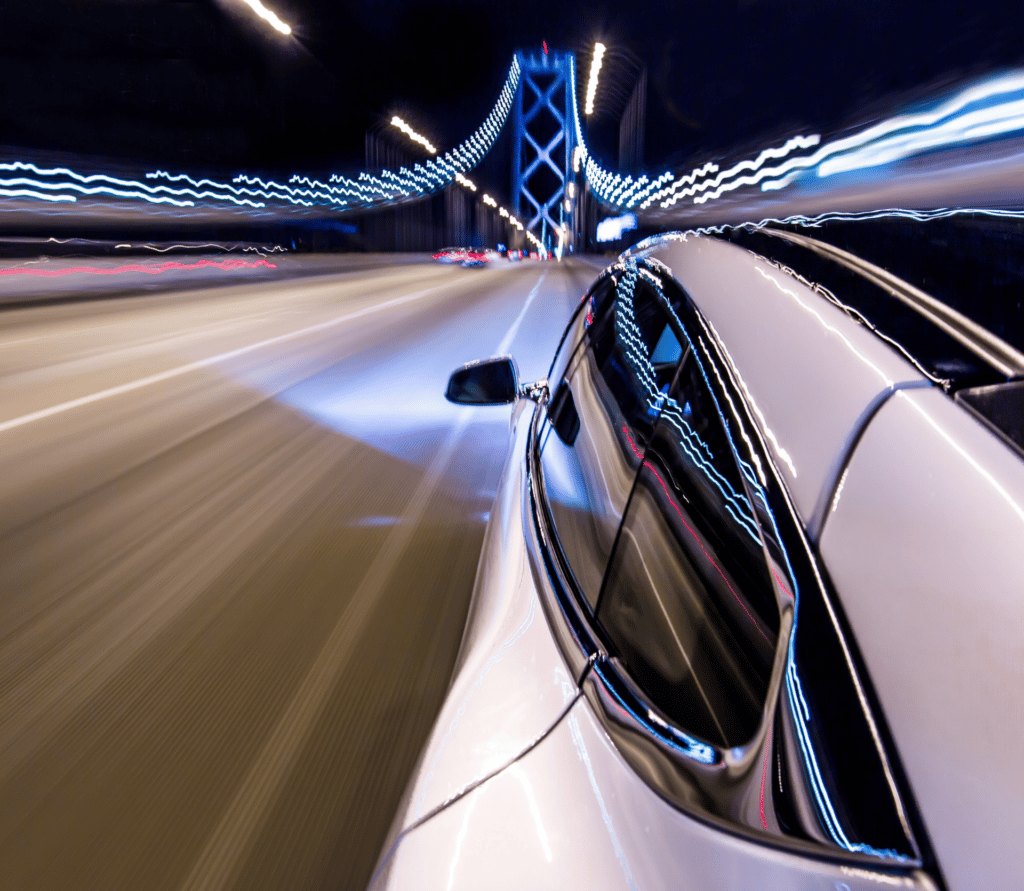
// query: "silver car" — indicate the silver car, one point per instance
point(750, 608)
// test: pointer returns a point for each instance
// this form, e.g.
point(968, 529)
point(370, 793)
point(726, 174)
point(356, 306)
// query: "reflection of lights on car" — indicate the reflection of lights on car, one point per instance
point(645, 433)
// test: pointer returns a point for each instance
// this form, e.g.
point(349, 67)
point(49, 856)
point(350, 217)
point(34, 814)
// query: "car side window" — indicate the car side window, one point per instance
point(606, 404)
point(602, 291)
point(688, 604)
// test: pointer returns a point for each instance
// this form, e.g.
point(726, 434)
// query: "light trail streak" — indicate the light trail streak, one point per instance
point(61, 184)
point(268, 16)
point(419, 138)
point(990, 109)
point(595, 70)
point(994, 107)
point(149, 269)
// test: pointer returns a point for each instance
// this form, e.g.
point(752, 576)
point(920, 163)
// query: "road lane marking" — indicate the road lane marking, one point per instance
point(510, 336)
point(206, 363)
point(245, 816)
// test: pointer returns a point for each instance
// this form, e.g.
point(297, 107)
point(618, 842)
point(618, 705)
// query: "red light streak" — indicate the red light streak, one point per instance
point(764, 773)
point(781, 585)
point(148, 268)
point(700, 544)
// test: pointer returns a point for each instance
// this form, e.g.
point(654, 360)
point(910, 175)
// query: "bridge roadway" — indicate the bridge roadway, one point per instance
point(238, 533)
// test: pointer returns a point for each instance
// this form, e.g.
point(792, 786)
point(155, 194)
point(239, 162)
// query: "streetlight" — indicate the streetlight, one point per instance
point(595, 69)
point(268, 15)
point(396, 121)
point(460, 178)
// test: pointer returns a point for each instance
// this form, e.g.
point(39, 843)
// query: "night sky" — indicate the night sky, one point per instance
point(205, 85)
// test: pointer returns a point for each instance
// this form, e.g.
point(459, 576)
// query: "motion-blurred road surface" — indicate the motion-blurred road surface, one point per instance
point(238, 533)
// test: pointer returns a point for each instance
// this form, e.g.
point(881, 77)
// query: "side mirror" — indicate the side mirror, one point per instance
point(487, 382)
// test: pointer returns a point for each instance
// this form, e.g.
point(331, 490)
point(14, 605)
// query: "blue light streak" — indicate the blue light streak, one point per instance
point(671, 412)
point(993, 107)
point(61, 184)
point(989, 109)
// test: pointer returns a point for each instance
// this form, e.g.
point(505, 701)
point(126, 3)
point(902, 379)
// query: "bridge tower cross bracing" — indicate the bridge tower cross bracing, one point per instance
point(543, 140)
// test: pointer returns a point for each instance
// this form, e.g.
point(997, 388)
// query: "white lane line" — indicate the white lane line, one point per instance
point(231, 842)
point(205, 363)
point(510, 336)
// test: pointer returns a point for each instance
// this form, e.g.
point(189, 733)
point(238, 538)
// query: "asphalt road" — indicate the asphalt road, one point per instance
point(238, 533)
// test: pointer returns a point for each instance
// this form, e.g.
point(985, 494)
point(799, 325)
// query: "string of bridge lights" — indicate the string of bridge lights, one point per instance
point(28, 181)
point(989, 108)
point(626, 192)
point(396, 121)
point(268, 16)
point(595, 70)
point(467, 183)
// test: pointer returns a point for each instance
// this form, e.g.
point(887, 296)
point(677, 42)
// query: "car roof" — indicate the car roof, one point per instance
point(812, 374)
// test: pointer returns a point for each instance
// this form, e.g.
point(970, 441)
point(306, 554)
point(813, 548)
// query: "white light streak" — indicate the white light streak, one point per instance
point(268, 15)
point(595, 69)
point(517, 771)
point(24, 181)
point(460, 838)
point(396, 121)
point(613, 228)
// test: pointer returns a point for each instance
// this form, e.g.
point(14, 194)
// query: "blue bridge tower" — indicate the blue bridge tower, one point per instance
point(543, 143)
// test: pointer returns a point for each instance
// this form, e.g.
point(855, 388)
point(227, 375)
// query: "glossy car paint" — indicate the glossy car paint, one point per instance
point(572, 814)
point(510, 684)
point(571, 809)
point(595, 465)
point(812, 374)
point(923, 543)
